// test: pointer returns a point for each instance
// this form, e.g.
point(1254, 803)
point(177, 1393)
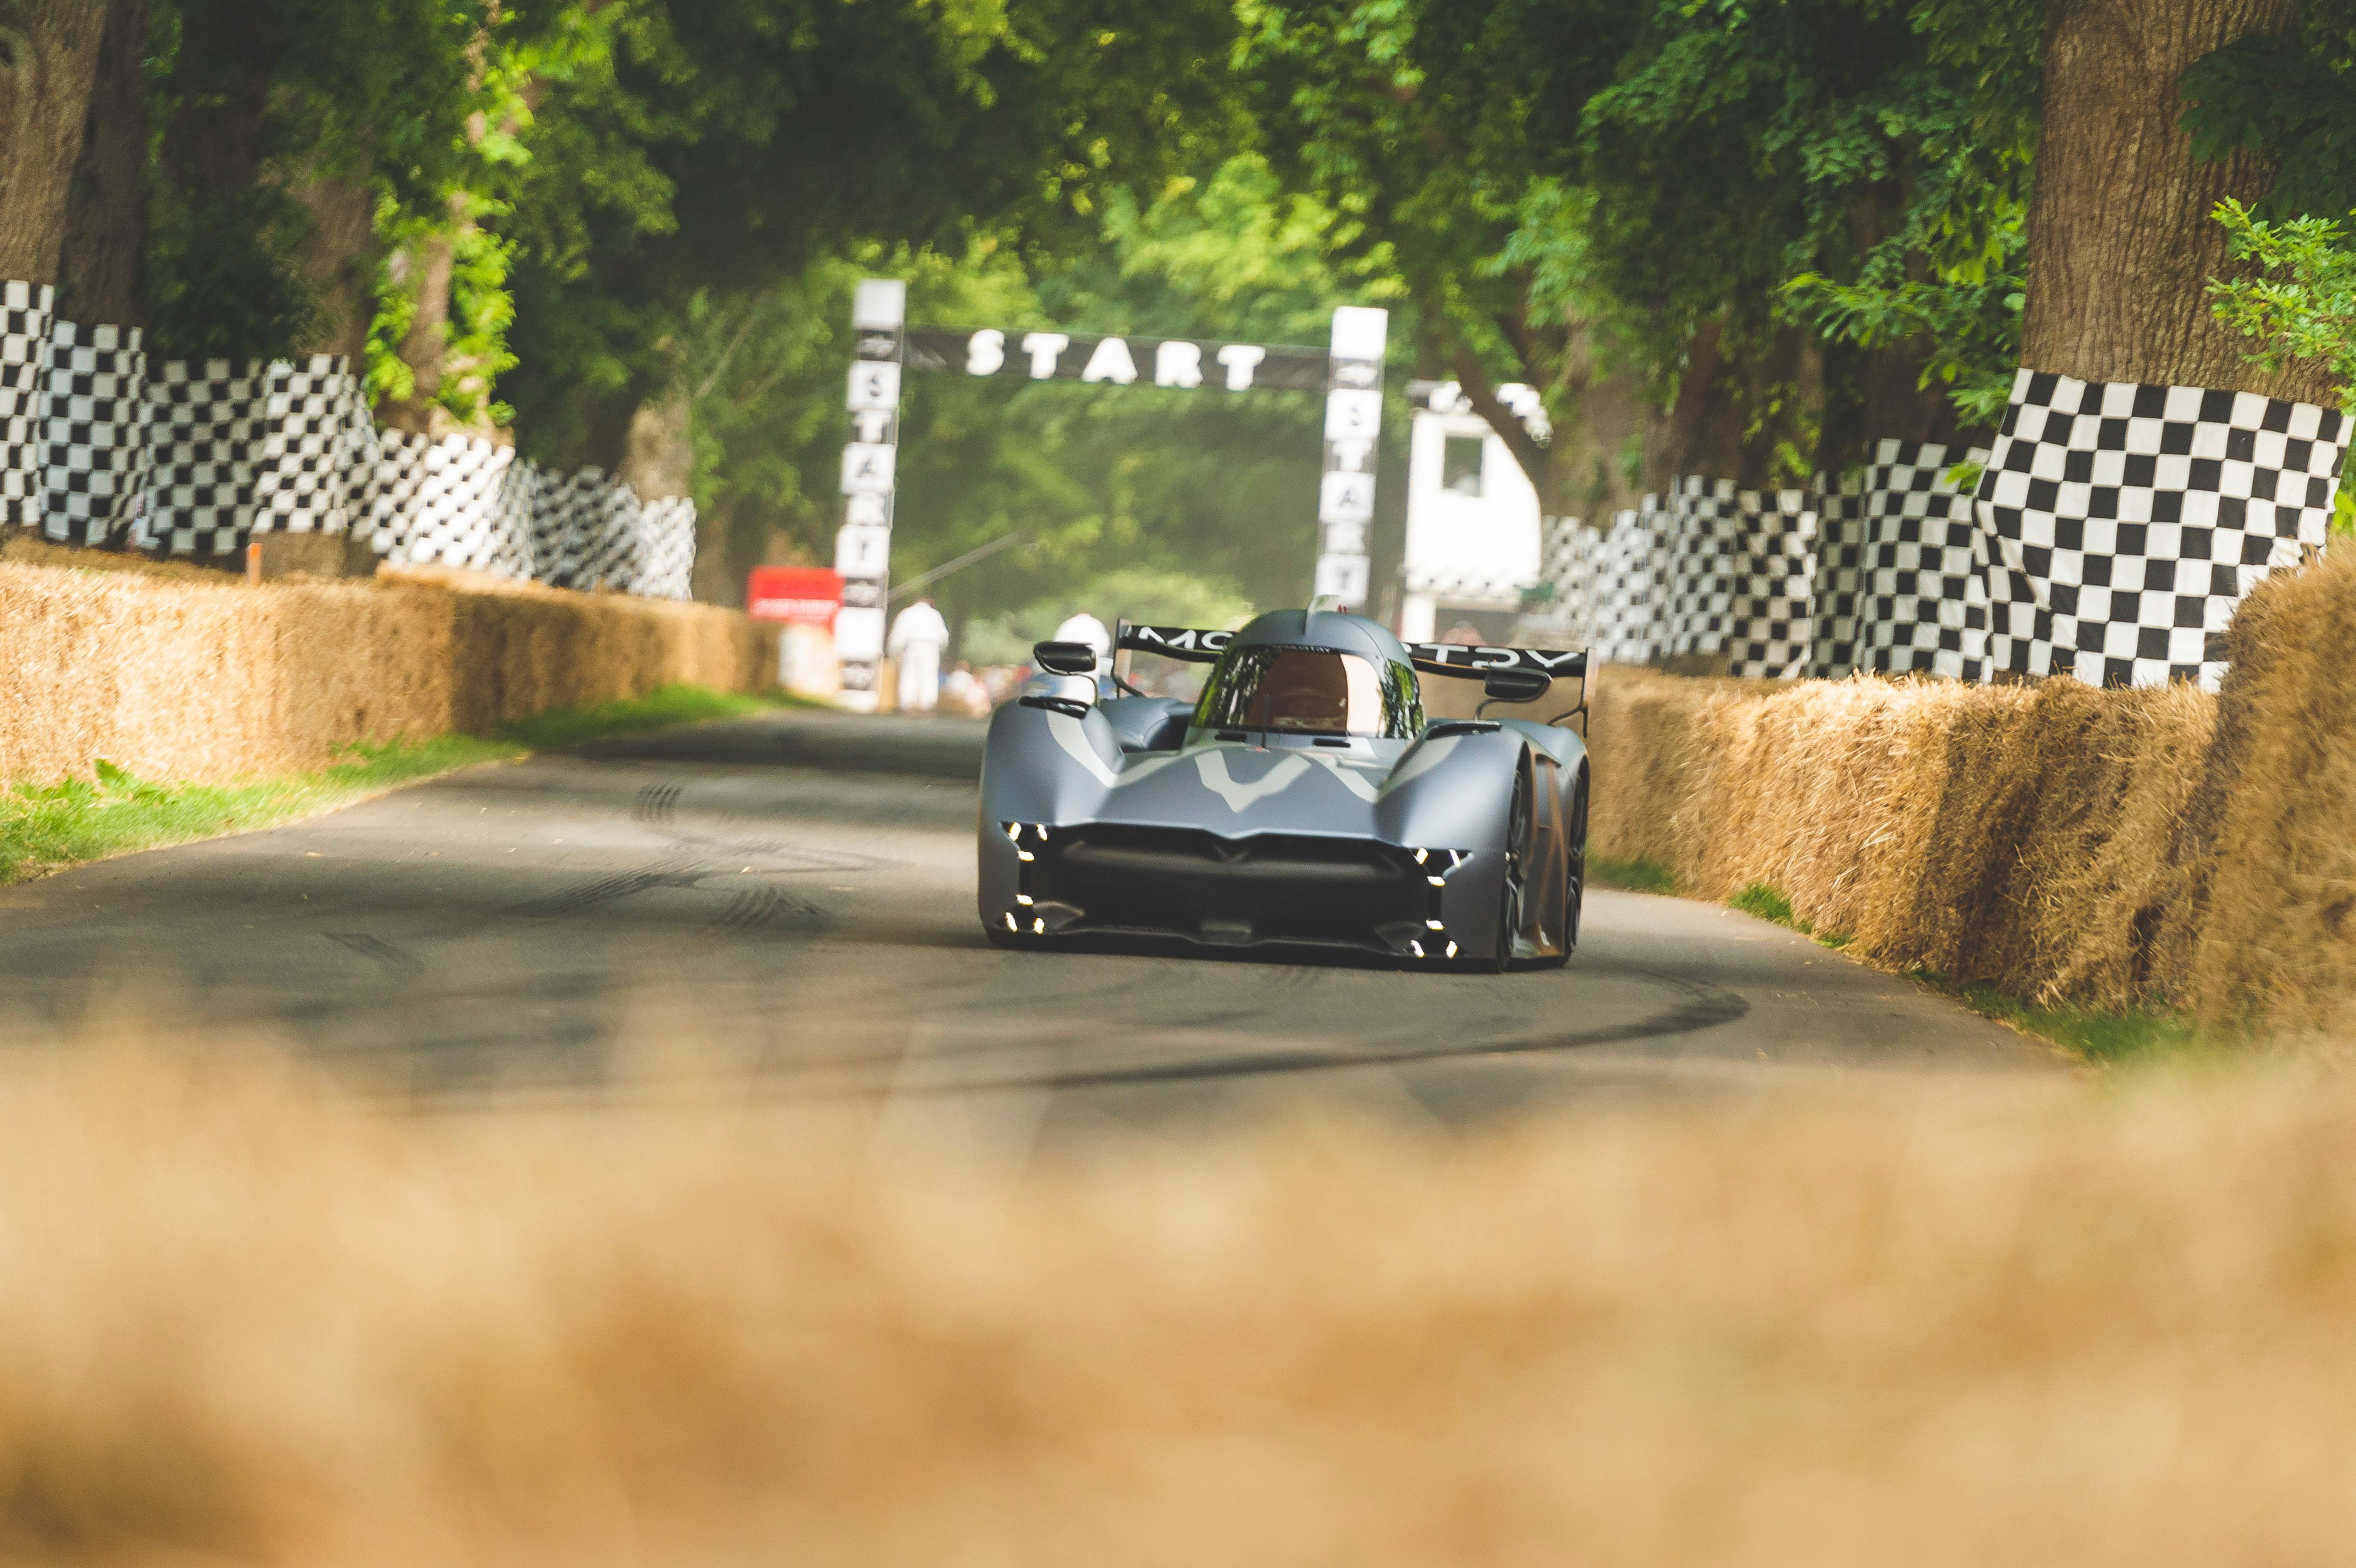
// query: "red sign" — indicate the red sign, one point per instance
point(798, 596)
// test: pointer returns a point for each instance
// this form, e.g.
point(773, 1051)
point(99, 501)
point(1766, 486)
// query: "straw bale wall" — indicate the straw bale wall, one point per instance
point(212, 682)
point(2049, 839)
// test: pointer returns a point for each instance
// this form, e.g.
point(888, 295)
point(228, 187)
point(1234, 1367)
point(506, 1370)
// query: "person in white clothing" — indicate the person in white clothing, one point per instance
point(1085, 628)
point(918, 635)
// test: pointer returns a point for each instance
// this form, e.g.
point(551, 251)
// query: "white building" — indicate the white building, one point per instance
point(1473, 533)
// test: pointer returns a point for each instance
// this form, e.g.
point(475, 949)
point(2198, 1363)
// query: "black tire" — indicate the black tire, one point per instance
point(1574, 881)
point(1521, 822)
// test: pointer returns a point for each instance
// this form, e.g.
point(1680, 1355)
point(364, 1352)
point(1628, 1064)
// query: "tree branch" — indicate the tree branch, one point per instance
point(1536, 461)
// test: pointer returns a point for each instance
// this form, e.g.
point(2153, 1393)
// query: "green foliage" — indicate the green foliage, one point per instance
point(663, 708)
point(2111, 1037)
point(1568, 187)
point(2301, 303)
point(726, 147)
point(1764, 902)
point(248, 101)
point(1760, 899)
point(46, 827)
point(2288, 97)
point(1641, 874)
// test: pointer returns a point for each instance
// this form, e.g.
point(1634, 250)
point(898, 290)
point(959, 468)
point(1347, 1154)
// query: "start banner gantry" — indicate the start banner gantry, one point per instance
point(1349, 372)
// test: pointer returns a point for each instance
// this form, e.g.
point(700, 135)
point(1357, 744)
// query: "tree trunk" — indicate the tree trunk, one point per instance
point(1735, 415)
point(1880, 397)
point(98, 269)
point(1599, 446)
point(48, 57)
point(427, 271)
point(336, 258)
point(2121, 244)
point(1703, 431)
point(658, 456)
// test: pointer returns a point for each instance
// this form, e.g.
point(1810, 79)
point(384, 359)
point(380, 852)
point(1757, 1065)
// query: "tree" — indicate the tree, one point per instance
point(105, 229)
point(48, 57)
point(2121, 248)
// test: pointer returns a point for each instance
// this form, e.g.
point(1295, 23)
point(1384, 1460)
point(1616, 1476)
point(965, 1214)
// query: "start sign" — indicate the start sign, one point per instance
point(794, 595)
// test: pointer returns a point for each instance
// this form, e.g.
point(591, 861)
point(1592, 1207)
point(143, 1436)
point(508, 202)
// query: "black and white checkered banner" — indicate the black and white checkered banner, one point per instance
point(26, 313)
point(91, 427)
point(1732, 576)
point(1901, 585)
point(2124, 523)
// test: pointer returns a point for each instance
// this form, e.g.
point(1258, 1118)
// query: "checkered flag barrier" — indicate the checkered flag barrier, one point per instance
point(318, 462)
point(400, 475)
point(556, 542)
point(1694, 545)
point(1769, 632)
point(203, 427)
point(1923, 601)
point(1840, 574)
point(1733, 575)
point(93, 433)
point(1618, 579)
point(669, 568)
point(26, 311)
point(444, 499)
point(2124, 523)
point(614, 530)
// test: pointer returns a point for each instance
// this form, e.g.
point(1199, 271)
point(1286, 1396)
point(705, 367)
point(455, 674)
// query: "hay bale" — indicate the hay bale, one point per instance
point(2027, 837)
point(2271, 944)
point(212, 681)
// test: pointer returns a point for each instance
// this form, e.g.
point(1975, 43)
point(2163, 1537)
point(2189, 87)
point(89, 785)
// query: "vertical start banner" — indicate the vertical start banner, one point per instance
point(863, 549)
point(1354, 425)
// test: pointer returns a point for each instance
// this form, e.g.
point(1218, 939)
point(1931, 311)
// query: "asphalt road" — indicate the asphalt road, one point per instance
point(787, 904)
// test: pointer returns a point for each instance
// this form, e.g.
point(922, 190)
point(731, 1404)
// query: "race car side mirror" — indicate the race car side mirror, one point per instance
point(1516, 685)
point(1065, 658)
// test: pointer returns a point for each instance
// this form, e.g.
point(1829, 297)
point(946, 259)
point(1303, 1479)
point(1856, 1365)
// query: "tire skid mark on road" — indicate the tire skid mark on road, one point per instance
point(377, 951)
point(756, 908)
point(657, 807)
point(672, 871)
point(1704, 1006)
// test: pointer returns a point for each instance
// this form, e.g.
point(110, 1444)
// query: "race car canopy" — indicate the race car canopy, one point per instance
point(1474, 663)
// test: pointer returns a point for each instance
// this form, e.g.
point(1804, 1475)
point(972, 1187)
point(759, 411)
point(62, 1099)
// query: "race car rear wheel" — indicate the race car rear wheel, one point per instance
point(1520, 824)
point(1574, 881)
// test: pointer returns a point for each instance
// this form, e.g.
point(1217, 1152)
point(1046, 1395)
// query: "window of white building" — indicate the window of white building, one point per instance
point(1460, 465)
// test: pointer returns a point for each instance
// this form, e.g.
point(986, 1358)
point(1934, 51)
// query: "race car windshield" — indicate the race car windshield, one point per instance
point(1310, 690)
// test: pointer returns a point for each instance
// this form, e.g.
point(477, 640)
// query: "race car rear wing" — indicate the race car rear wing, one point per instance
point(1196, 646)
point(1185, 642)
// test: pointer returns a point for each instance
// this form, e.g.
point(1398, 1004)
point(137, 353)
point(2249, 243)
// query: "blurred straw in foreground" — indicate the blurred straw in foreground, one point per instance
point(246, 1318)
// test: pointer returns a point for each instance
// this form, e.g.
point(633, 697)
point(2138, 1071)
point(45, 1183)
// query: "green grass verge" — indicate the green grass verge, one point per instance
point(658, 709)
point(1641, 874)
point(2106, 1035)
point(1769, 905)
point(2099, 1034)
point(45, 827)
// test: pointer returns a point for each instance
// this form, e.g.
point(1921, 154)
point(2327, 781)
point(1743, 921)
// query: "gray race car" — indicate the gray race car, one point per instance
point(1303, 801)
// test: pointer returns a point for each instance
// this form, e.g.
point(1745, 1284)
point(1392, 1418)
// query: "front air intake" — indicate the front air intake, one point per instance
point(1286, 888)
